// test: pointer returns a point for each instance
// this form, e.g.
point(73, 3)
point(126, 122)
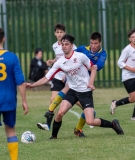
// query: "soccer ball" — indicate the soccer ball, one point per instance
point(28, 137)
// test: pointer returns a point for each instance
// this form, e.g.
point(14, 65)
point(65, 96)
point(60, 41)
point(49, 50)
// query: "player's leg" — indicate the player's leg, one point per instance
point(47, 124)
point(79, 104)
point(130, 88)
point(57, 85)
point(102, 122)
point(9, 119)
point(86, 99)
point(64, 107)
point(78, 129)
point(58, 98)
point(49, 118)
point(67, 103)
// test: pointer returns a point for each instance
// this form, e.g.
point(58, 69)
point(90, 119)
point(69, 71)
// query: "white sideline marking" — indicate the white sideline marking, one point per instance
point(75, 113)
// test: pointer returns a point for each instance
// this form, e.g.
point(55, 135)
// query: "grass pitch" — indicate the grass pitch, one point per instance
point(100, 143)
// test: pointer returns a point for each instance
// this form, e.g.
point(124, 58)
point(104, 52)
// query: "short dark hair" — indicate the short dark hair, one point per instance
point(96, 35)
point(59, 26)
point(68, 37)
point(38, 50)
point(131, 32)
point(2, 34)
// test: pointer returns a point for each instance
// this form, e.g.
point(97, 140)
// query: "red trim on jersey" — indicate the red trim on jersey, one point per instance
point(70, 56)
point(126, 60)
point(55, 73)
point(59, 43)
point(91, 64)
point(85, 66)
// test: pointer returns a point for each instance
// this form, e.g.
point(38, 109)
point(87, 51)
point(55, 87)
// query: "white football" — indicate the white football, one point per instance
point(28, 137)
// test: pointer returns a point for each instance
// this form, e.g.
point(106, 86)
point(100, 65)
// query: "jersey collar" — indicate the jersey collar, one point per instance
point(2, 51)
point(88, 48)
point(70, 56)
point(132, 45)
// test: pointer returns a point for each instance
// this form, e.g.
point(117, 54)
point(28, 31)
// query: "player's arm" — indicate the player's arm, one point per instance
point(50, 62)
point(19, 79)
point(92, 77)
point(101, 60)
point(22, 90)
point(122, 61)
point(93, 68)
point(40, 82)
point(47, 77)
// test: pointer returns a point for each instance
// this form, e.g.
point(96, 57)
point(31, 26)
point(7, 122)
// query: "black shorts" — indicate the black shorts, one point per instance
point(129, 85)
point(85, 98)
point(57, 85)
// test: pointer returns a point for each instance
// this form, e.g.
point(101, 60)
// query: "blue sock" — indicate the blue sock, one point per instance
point(61, 94)
point(83, 116)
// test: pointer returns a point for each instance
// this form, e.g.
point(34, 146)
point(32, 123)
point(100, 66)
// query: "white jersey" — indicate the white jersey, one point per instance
point(75, 70)
point(127, 58)
point(59, 53)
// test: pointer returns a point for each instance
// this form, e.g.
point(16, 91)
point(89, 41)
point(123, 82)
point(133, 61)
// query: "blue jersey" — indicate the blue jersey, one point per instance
point(98, 58)
point(10, 76)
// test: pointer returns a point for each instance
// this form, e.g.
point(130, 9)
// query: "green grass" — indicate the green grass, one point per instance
point(100, 143)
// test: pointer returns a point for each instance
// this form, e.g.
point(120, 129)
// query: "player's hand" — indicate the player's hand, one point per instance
point(25, 107)
point(64, 78)
point(28, 85)
point(49, 63)
point(91, 86)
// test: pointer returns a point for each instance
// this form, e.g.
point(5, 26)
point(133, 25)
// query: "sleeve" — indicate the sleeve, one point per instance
point(19, 77)
point(53, 48)
point(101, 60)
point(86, 61)
point(55, 69)
point(123, 58)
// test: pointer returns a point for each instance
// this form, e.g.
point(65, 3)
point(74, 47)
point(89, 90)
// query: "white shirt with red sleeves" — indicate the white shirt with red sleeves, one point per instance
point(76, 71)
point(127, 57)
point(57, 48)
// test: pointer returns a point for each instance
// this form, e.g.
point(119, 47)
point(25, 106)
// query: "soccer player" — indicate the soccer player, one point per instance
point(58, 82)
point(98, 57)
point(11, 76)
point(75, 66)
point(126, 62)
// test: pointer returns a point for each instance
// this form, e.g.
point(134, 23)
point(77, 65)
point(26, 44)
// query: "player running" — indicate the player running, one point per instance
point(58, 82)
point(98, 57)
point(75, 66)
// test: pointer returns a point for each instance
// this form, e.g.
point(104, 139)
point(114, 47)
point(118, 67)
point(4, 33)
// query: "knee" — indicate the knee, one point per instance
point(90, 122)
point(132, 99)
point(60, 114)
